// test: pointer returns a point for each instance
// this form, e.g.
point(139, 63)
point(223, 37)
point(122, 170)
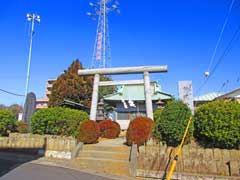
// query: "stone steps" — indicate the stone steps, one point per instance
point(113, 148)
point(105, 158)
point(104, 154)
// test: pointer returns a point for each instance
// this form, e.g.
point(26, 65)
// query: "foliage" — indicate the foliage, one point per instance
point(57, 121)
point(21, 127)
point(106, 90)
point(16, 109)
point(7, 122)
point(89, 132)
point(2, 106)
point(109, 129)
point(217, 124)
point(157, 114)
point(170, 126)
point(139, 130)
point(69, 85)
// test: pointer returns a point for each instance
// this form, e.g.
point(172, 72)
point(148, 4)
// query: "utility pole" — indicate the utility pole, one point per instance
point(31, 18)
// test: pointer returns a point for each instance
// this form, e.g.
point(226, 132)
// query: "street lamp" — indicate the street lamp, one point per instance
point(31, 18)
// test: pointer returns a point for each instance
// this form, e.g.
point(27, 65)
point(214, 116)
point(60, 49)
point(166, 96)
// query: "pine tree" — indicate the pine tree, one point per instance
point(71, 86)
point(105, 90)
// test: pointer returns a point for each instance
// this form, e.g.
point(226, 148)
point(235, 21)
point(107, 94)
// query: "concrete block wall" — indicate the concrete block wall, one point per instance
point(193, 159)
point(48, 145)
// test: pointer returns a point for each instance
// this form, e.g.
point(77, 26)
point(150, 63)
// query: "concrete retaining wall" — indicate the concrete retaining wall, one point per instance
point(47, 145)
point(194, 159)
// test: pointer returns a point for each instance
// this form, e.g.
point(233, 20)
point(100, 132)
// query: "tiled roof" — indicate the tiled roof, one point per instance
point(233, 94)
point(136, 93)
point(208, 97)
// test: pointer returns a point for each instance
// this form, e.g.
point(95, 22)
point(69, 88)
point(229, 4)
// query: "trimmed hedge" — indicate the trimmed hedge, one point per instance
point(57, 121)
point(217, 124)
point(109, 129)
point(89, 132)
point(171, 124)
point(21, 127)
point(7, 122)
point(139, 130)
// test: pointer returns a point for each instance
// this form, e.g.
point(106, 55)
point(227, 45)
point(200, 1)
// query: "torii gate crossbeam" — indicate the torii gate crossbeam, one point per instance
point(145, 70)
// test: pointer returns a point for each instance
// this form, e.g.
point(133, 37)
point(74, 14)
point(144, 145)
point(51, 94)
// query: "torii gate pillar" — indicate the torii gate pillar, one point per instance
point(93, 112)
point(148, 98)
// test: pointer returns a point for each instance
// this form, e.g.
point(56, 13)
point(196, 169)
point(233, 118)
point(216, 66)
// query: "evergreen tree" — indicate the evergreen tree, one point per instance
point(105, 90)
point(71, 86)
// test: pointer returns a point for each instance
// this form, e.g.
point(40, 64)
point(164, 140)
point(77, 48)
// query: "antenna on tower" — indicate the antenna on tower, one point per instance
point(102, 52)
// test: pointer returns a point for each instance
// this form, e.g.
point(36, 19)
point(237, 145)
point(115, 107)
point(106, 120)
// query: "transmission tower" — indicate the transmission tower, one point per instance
point(102, 51)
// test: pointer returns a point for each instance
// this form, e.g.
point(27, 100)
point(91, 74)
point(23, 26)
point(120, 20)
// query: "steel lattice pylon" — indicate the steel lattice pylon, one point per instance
point(102, 51)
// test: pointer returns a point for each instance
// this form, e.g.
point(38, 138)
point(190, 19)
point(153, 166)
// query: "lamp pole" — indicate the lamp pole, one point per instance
point(31, 18)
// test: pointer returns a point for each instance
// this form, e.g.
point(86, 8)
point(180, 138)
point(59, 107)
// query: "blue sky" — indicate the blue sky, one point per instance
point(181, 34)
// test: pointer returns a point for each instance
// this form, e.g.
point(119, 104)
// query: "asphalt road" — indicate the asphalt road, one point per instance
point(39, 172)
point(7, 165)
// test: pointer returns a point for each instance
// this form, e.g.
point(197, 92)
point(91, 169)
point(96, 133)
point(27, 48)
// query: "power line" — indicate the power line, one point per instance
point(224, 85)
point(224, 54)
point(220, 37)
point(14, 94)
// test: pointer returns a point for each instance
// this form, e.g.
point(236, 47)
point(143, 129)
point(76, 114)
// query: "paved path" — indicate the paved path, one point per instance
point(112, 142)
point(31, 171)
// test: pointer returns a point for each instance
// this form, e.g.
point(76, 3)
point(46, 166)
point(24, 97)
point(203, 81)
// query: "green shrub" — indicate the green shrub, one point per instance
point(139, 130)
point(57, 121)
point(21, 127)
point(89, 132)
point(170, 126)
point(7, 122)
point(157, 113)
point(109, 129)
point(217, 124)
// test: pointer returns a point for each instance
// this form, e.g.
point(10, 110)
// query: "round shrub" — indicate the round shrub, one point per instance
point(139, 130)
point(7, 122)
point(217, 124)
point(57, 121)
point(109, 129)
point(89, 132)
point(171, 124)
point(21, 127)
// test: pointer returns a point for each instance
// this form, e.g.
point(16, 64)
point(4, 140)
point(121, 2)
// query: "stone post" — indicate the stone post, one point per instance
point(148, 98)
point(93, 112)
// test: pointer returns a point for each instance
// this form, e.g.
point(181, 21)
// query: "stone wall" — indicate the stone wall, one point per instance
point(193, 159)
point(47, 145)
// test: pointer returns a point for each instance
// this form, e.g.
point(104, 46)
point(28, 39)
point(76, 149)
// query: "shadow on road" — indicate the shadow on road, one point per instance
point(10, 158)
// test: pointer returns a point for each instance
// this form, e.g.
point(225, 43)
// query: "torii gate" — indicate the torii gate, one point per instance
point(145, 70)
